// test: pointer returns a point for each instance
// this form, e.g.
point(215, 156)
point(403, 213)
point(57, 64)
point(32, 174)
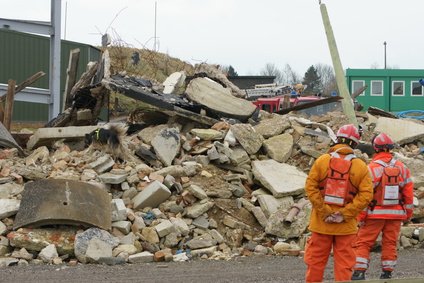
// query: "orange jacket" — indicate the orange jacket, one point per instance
point(398, 211)
point(359, 176)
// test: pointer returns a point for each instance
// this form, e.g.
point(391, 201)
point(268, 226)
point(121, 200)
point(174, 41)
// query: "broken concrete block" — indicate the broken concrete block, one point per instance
point(279, 147)
point(198, 208)
point(197, 191)
point(279, 178)
point(260, 216)
point(207, 134)
point(249, 139)
point(151, 196)
point(270, 204)
point(128, 249)
point(38, 239)
point(68, 202)
point(167, 145)
point(122, 226)
point(174, 82)
point(9, 207)
point(47, 136)
point(142, 257)
point(180, 225)
point(214, 96)
point(110, 178)
point(277, 227)
point(272, 126)
point(201, 222)
point(164, 228)
point(48, 254)
point(96, 249)
point(151, 235)
point(3, 228)
point(400, 130)
point(200, 243)
point(23, 254)
point(102, 164)
point(82, 240)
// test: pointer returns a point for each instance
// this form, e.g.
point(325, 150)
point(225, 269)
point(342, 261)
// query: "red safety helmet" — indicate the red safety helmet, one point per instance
point(382, 140)
point(349, 132)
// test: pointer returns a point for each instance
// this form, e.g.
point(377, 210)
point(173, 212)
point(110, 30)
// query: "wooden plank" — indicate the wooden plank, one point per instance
point(71, 77)
point(9, 104)
point(309, 105)
point(26, 83)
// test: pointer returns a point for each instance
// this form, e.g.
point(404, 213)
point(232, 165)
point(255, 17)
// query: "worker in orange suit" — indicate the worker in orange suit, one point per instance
point(392, 204)
point(339, 187)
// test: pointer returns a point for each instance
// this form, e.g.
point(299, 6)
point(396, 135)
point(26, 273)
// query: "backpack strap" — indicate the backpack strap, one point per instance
point(348, 157)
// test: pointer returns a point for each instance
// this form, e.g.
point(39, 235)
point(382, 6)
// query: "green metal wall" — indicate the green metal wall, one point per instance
point(22, 55)
point(387, 102)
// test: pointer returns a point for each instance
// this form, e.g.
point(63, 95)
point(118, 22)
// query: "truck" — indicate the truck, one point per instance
point(273, 104)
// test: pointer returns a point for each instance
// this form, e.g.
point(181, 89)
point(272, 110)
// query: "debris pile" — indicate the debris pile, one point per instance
point(193, 186)
point(186, 192)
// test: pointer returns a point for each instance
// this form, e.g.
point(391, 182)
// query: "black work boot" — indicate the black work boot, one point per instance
point(358, 275)
point(387, 274)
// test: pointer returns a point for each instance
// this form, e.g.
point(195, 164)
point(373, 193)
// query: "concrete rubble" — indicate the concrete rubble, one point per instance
point(185, 190)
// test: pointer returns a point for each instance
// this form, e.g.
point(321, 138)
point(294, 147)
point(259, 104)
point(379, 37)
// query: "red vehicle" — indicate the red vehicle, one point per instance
point(273, 104)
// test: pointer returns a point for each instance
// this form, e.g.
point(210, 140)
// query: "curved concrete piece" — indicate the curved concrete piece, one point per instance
point(57, 201)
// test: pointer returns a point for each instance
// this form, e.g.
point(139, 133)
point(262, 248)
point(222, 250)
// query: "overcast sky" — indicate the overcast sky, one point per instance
point(247, 34)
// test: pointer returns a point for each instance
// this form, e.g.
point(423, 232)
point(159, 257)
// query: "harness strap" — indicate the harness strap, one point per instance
point(97, 136)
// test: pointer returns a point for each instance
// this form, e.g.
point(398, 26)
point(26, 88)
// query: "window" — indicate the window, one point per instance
point(357, 85)
point(377, 88)
point(398, 88)
point(416, 89)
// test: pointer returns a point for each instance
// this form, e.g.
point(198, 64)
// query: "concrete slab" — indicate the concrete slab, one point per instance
point(219, 99)
point(57, 201)
point(47, 136)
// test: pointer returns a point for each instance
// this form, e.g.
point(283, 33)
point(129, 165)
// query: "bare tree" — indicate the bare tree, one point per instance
point(328, 78)
point(374, 66)
point(271, 70)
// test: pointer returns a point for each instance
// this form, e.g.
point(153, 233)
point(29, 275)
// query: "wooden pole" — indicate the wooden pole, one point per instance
point(338, 69)
point(71, 77)
point(9, 104)
point(26, 83)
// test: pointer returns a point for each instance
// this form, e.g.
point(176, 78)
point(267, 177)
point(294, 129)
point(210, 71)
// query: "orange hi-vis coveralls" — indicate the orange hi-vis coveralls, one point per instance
point(339, 236)
point(384, 218)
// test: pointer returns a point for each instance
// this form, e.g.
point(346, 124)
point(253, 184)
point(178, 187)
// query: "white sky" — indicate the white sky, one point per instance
point(247, 34)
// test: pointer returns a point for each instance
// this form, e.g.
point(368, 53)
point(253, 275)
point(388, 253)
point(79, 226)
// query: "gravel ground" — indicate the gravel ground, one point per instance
point(238, 269)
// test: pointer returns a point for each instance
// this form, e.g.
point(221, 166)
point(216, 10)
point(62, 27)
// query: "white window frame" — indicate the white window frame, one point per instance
point(353, 86)
point(382, 88)
point(393, 88)
point(412, 89)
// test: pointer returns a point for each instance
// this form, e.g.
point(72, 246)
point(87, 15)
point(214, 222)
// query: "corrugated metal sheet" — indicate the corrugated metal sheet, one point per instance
point(22, 55)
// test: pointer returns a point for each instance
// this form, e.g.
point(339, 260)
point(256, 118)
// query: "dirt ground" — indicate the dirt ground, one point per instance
point(238, 269)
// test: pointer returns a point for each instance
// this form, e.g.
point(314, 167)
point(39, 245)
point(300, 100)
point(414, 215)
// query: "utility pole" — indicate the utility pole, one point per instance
point(385, 66)
point(338, 69)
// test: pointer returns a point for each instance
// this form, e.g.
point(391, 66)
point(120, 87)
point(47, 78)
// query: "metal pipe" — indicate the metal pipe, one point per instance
point(294, 211)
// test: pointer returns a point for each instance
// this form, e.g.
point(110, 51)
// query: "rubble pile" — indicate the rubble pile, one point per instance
point(181, 191)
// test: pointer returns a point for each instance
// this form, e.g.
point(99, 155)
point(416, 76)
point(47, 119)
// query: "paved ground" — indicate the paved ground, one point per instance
point(240, 269)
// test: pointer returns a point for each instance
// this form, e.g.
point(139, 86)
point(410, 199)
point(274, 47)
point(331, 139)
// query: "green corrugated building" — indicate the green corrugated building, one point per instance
point(392, 90)
point(22, 55)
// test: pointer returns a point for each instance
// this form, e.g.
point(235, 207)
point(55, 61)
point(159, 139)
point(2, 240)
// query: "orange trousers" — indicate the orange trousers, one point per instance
point(318, 250)
point(366, 237)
